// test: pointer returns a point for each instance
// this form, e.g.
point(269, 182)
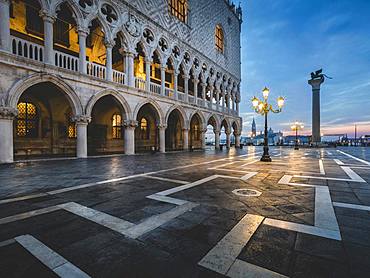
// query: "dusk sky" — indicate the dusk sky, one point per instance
point(284, 40)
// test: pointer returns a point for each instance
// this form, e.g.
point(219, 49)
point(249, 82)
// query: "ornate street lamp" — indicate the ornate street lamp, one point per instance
point(295, 127)
point(263, 107)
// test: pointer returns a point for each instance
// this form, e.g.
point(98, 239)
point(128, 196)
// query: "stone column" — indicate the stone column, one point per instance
point(237, 140)
point(233, 102)
point(48, 37)
point(7, 115)
point(186, 87)
point(175, 83)
point(217, 139)
point(237, 106)
point(195, 81)
point(131, 70)
point(82, 122)
point(108, 63)
point(228, 139)
point(316, 133)
point(204, 87)
point(148, 62)
point(203, 134)
point(186, 138)
point(162, 138)
point(4, 26)
point(223, 93)
point(163, 79)
point(217, 98)
point(82, 35)
point(130, 136)
point(211, 89)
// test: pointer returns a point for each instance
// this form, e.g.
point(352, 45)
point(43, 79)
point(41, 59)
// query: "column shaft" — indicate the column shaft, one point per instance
point(316, 133)
point(81, 139)
point(6, 140)
point(108, 64)
point(186, 138)
point(130, 140)
point(82, 53)
point(131, 71)
point(228, 140)
point(237, 141)
point(147, 69)
point(195, 90)
point(4, 26)
point(163, 79)
point(175, 84)
point(186, 88)
point(48, 39)
point(162, 139)
point(217, 139)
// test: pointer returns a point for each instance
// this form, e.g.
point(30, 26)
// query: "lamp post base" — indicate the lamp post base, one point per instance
point(296, 147)
point(266, 158)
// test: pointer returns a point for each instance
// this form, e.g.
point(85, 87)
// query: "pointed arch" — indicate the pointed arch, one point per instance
point(106, 92)
point(156, 107)
point(17, 90)
point(73, 6)
point(182, 113)
point(214, 121)
point(201, 117)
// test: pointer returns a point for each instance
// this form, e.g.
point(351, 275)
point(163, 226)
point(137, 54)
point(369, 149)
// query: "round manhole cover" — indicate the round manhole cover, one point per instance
point(246, 192)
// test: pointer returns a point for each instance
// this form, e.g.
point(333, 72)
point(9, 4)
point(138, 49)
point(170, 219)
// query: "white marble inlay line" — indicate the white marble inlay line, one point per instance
point(221, 257)
point(306, 229)
point(50, 258)
point(321, 166)
point(351, 206)
point(354, 157)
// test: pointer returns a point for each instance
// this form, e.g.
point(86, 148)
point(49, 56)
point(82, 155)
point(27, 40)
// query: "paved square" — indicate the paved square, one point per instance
point(199, 214)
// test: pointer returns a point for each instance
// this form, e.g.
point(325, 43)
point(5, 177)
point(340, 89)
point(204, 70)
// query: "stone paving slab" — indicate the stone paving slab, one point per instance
point(173, 247)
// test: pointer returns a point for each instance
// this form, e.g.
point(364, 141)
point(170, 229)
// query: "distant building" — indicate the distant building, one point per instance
point(254, 129)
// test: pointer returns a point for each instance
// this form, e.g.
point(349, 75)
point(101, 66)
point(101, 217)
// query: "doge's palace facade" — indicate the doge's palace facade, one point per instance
point(86, 77)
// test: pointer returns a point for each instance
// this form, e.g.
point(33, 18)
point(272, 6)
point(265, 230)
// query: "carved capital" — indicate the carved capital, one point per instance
point(83, 31)
point(162, 126)
point(47, 16)
point(8, 113)
point(130, 123)
point(316, 83)
point(109, 44)
point(81, 119)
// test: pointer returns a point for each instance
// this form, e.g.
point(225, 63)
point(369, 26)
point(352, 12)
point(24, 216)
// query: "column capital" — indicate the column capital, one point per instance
point(47, 16)
point(162, 126)
point(186, 76)
point(316, 83)
point(5, 1)
point(148, 59)
point(82, 31)
point(8, 113)
point(81, 119)
point(130, 124)
point(204, 130)
point(185, 129)
point(109, 44)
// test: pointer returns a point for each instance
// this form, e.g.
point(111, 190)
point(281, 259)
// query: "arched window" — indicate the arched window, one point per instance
point(219, 39)
point(27, 120)
point(71, 125)
point(179, 8)
point(144, 129)
point(117, 126)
